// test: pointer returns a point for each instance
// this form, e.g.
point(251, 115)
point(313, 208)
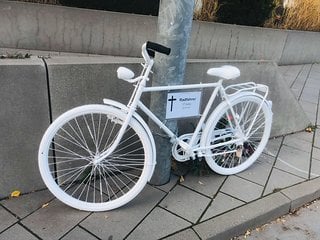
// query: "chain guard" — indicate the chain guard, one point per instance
point(178, 152)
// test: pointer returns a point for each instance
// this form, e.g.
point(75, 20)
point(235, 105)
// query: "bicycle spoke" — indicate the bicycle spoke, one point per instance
point(227, 151)
point(68, 151)
point(75, 172)
point(82, 137)
point(89, 129)
point(112, 180)
point(75, 143)
point(107, 144)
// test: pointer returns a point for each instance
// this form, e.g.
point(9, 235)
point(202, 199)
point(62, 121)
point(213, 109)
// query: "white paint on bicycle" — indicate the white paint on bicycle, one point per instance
point(99, 157)
point(226, 72)
point(125, 73)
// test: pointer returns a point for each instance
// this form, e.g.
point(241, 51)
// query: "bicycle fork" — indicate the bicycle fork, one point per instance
point(132, 106)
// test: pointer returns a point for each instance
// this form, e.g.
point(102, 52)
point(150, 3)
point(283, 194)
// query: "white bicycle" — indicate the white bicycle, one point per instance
point(99, 157)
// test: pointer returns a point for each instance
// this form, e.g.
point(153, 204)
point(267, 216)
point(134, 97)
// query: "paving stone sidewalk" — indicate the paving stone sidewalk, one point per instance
point(201, 207)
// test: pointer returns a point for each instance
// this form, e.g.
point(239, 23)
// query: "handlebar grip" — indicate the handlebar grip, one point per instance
point(156, 47)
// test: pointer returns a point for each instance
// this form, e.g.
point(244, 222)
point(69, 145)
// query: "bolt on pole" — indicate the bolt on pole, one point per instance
point(174, 30)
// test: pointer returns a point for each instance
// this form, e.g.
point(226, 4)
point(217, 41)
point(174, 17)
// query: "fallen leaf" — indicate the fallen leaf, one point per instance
point(248, 232)
point(308, 129)
point(15, 193)
point(201, 183)
point(181, 180)
point(45, 205)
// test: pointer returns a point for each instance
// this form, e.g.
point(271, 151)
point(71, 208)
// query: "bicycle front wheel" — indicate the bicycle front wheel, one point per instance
point(76, 139)
point(231, 156)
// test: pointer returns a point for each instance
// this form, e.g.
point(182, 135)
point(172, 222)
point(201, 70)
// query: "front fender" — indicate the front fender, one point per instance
point(124, 108)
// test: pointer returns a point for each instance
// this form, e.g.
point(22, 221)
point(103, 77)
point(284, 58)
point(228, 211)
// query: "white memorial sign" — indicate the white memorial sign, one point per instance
point(183, 104)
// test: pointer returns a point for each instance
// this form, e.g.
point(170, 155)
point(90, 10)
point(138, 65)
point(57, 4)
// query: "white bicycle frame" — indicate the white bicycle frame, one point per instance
point(191, 148)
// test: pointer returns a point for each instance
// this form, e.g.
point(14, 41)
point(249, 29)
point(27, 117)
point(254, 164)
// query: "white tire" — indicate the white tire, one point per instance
point(79, 136)
point(232, 158)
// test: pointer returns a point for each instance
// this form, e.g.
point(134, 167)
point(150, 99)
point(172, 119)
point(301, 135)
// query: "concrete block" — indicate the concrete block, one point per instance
point(24, 116)
point(188, 234)
point(300, 49)
point(308, 109)
point(226, 41)
point(313, 82)
point(316, 142)
point(303, 193)
point(221, 204)
point(273, 146)
point(158, 224)
point(303, 136)
point(17, 232)
point(208, 184)
point(315, 72)
point(241, 189)
point(316, 153)
point(310, 94)
point(77, 81)
point(315, 168)
point(79, 233)
point(65, 29)
point(312, 117)
point(6, 219)
point(185, 203)
point(57, 28)
point(27, 204)
point(259, 171)
point(300, 140)
point(237, 221)
point(279, 180)
point(111, 224)
point(296, 89)
point(291, 70)
point(294, 161)
point(53, 221)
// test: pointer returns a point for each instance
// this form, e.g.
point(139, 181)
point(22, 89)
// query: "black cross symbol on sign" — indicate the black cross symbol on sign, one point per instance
point(171, 100)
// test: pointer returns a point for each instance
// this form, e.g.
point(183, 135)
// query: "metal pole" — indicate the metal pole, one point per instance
point(174, 29)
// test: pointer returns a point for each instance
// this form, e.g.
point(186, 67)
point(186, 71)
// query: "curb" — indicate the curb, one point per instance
point(259, 212)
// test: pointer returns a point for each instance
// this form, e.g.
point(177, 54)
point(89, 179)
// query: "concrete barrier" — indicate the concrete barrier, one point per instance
point(225, 41)
point(74, 82)
point(24, 116)
point(301, 48)
point(64, 29)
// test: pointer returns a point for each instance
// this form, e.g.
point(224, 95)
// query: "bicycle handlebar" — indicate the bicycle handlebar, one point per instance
point(156, 47)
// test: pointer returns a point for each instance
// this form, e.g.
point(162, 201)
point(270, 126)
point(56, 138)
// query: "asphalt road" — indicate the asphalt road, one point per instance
point(303, 224)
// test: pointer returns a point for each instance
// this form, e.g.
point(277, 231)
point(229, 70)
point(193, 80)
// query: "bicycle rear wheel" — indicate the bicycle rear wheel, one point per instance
point(231, 156)
point(78, 137)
